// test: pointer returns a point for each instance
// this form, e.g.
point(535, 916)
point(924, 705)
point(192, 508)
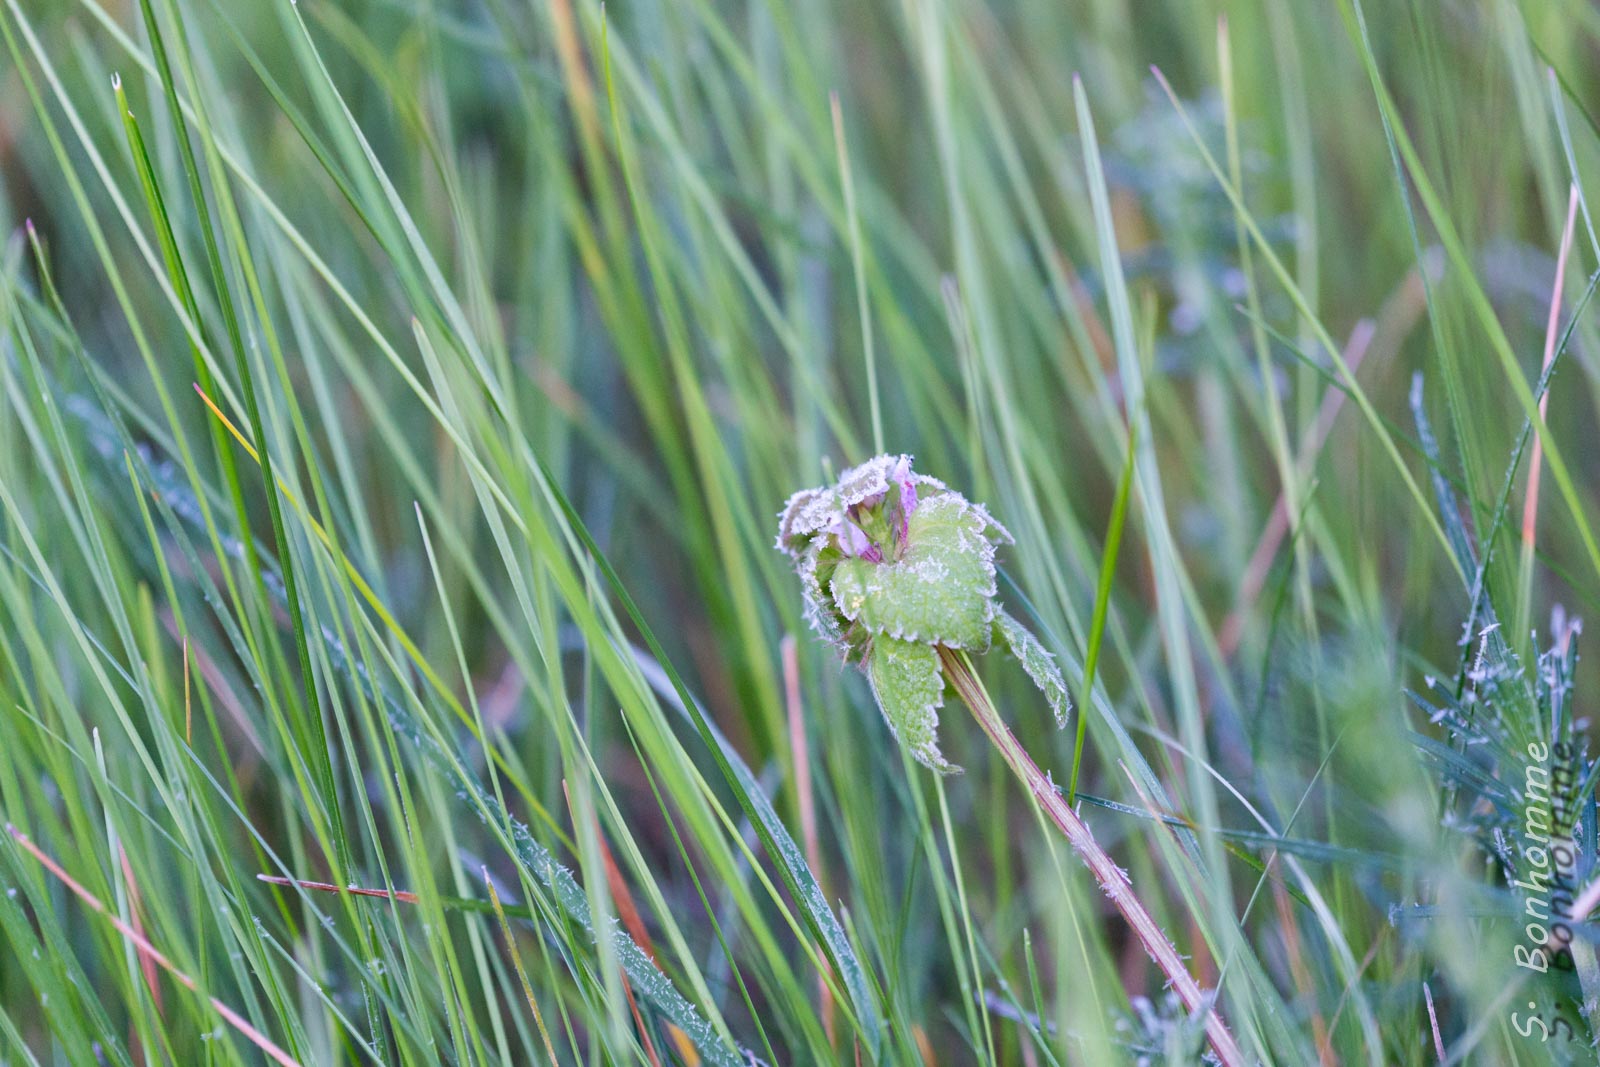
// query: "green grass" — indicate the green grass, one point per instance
point(396, 399)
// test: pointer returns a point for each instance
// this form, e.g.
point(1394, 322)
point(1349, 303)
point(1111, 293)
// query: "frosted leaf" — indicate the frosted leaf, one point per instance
point(997, 532)
point(818, 611)
point(909, 688)
point(1040, 664)
point(941, 590)
point(869, 479)
point(807, 514)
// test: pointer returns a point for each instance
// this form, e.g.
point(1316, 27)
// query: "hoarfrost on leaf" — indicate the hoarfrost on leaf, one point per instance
point(941, 590)
point(894, 566)
point(1039, 664)
point(910, 688)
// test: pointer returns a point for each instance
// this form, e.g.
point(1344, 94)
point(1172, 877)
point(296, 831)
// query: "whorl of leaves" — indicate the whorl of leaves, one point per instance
point(894, 565)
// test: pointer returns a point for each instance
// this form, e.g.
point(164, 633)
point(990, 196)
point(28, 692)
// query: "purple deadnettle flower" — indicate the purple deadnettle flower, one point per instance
point(894, 565)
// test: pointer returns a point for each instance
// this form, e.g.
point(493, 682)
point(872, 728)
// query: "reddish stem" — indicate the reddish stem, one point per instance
point(1113, 880)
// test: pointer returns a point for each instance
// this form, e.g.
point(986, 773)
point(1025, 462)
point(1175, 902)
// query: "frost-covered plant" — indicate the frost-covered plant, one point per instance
point(895, 564)
point(1518, 785)
point(898, 573)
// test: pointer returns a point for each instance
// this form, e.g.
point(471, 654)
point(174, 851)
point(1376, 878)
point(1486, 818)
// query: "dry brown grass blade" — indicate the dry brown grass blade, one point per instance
point(403, 896)
point(1530, 504)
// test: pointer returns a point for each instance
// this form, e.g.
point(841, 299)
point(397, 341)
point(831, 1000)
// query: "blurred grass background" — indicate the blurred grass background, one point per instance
point(398, 396)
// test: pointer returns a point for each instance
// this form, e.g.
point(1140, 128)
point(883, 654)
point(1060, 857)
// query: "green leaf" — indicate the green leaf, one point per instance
point(819, 613)
point(1040, 665)
point(941, 591)
point(909, 688)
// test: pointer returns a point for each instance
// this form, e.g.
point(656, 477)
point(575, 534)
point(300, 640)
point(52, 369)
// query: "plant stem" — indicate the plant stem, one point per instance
point(1113, 880)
